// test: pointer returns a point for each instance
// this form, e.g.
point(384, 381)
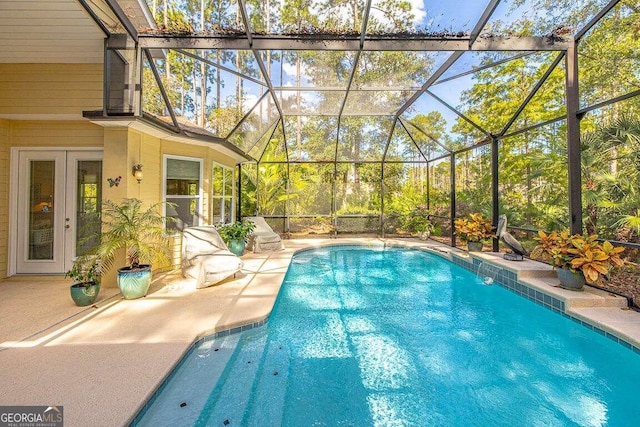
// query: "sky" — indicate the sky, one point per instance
point(439, 15)
point(431, 15)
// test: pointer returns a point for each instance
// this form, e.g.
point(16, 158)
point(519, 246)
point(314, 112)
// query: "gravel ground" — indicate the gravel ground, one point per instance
point(625, 282)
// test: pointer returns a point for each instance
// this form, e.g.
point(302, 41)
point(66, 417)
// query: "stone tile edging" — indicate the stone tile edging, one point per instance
point(540, 291)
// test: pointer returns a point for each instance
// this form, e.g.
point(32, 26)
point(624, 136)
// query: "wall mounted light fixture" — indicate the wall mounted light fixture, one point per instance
point(137, 172)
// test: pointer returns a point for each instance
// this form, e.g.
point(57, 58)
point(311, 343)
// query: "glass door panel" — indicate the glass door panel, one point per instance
point(88, 202)
point(41, 207)
point(41, 213)
point(58, 205)
point(83, 205)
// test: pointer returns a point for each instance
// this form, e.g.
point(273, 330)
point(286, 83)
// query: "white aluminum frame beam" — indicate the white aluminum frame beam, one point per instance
point(352, 43)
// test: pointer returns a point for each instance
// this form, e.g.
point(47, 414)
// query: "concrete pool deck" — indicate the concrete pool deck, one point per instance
point(103, 363)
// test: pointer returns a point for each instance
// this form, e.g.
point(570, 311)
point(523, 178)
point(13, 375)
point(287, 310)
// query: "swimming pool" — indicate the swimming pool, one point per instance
point(395, 337)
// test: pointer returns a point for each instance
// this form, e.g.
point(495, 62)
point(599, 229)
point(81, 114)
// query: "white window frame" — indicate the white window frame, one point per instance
point(166, 157)
point(215, 199)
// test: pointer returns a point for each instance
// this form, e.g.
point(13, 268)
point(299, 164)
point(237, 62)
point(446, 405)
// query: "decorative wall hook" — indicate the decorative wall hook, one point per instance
point(114, 181)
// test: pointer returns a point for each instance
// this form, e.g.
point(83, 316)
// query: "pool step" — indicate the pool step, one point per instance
point(183, 398)
point(623, 324)
point(589, 297)
point(525, 268)
point(228, 401)
point(543, 278)
point(271, 381)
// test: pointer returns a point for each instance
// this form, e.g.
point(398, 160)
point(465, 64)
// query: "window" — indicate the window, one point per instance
point(222, 194)
point(182, 187)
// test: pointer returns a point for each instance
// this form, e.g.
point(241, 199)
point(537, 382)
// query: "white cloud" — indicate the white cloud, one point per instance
point(287, 94)
point(307, 97)
point(417, 8)
point(248, 101)
point(290, 69)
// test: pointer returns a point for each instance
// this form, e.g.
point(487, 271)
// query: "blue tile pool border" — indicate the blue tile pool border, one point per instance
point(505, 278)
point(509, 280)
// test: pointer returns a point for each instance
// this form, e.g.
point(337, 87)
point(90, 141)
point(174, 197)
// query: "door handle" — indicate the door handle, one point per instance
point(67, 226)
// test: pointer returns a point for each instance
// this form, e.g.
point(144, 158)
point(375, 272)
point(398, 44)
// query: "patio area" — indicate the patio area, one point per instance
point(103, 362)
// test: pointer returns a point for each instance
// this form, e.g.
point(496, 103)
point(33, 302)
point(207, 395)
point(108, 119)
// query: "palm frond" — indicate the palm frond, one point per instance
point(130, 227)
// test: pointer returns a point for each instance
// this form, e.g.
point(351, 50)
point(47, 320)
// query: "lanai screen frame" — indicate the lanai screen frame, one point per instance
point(148, 44)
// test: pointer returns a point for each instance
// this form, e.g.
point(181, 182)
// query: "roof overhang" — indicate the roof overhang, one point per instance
point(158, 129)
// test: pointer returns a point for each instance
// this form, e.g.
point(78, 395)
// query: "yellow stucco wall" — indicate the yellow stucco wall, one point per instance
point(125, 147)
point(146, 150)
point(151, 152)
point(65, 89)
point(122, 147)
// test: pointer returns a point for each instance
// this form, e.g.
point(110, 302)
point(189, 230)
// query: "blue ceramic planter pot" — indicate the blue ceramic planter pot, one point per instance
point(237, 246)
point(83, 294)
point(134, 283)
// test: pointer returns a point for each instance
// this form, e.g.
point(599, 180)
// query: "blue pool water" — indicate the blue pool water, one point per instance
point(393, 337)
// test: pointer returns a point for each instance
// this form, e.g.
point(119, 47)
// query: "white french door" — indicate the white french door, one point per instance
point(58, 199)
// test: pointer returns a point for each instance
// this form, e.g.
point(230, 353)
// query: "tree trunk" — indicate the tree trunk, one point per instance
point(195, 91)
point(166, 14)
point(354, 9)
point(592, 224)
point(182, 94)
point(238, 96)
point(203, 74)
point(298, 118)
point(203, 93)
point(218, 90)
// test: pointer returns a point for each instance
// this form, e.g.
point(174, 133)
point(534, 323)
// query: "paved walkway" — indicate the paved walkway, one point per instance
point(102, 363)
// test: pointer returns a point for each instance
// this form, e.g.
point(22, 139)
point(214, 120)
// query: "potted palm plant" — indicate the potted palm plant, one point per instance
point(577, 259)
point(235, 234)
point(85, 273)
point(141, 233)
point(474, 230)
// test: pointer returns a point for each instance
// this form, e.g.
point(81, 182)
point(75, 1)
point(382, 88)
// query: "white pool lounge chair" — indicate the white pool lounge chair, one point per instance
point(205, 257)
point(263, 238)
